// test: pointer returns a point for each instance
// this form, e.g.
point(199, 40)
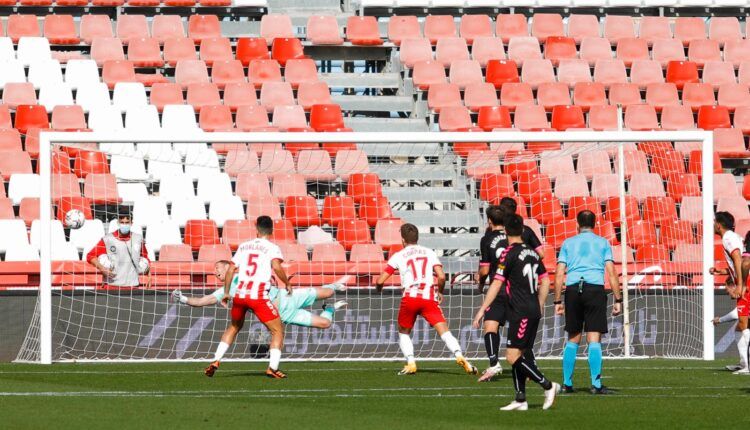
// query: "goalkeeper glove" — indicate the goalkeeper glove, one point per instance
point(177, 296)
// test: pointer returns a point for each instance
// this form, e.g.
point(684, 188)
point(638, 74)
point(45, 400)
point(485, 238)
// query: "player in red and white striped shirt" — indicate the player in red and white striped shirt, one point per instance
point(255, 262)
point(416, 266)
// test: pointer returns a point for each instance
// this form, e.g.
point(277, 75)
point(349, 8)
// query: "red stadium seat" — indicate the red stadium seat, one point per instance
point(689, 29)
point(558, 231)
point(610, 72)
point(534, 185)
point(465, 72)
point(617, 27)
point(654, 27)
point(240, 94)
point(573, 71)
point(603, 117)
point(131, 27)
point(105, 49)
point(529, 118)
point(30, 116)
point(519, 163)
point(363, 185)
point(164, 27)
point(450, 49)
point(479, 95)
point(145, 52)
point(323, 30)
point(226, 72)
point(28, 209)
point(613, 211)
point(662, 94)
point(644, 185)
point(363, 30)
point(630, 50)
point(704, 51)
point(299, 71)
point(487, 48)
point(652, 253)
point(546, 209)
point(374, 208)
point(682, 72)
point(545, 25)
point(667, 50)
point(87, 162)
point(203, 26)
point(570, 185)
point(283, 231)
point(19, 93)
point(176, 253)
point(252, 48)
point(237, 231)
point(118, 71)
point(243, 164)
point(737, 52)
point(415, 50)
point(645, 72)
point(733, 95)
point(696, 95)
point(641, 233)
point(65, 187)
point(326, 117)
point(12, 162)
point(715, 118)
point(500, 72)
point(178, 49)
point(337, 209)
point(659, 210)
point(439, 26)
point(681, 185)
point(215, 118)
point(428, 73)
point(746, 187)
point(513, 95)
point(10, 139)
point(19, 26)
point(492, 117)
point(251, 117)
point(481, 163)
point(521, 49)
point(202, 94)
point(587, 94)
point(403, 27)
point(201, 232)
point(284, 49)
point(577, 204)
point(677, 118)
point(274, 26)
point(263, 71)
point(676, 232)
point(329, 252)
point(274, 94)
point(583, 26)
point(368, 253)
point(60, 29)
point(101, 188)
point(511, 25)
point(462, 149)
point(641, 117)
point(191, 72)
point(473, 26)
point(594, 49)
point(68, 118)
point(353, 231)
point(565, 117)
point(443, 94)
point(454, 118)
point(214, 252)
point(723, 29)
point(667, 162)
point(536, 71)
point(551, 94)
point(215, 49)
point(387, 232)
point(557, 48)
point(268, 207)
point(695, 163)
point(302, 211)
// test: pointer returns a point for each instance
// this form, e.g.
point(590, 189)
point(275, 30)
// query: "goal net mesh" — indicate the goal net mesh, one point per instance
point(337, 209)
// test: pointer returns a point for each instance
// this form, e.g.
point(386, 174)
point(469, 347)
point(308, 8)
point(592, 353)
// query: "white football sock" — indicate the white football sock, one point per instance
point(221, 350)
point(742, 345)
point(730, 316)
point(407, 348)
point(275, 358)
point(452, 343)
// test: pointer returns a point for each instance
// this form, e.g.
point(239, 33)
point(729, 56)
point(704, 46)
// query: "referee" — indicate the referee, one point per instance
point(586, 258)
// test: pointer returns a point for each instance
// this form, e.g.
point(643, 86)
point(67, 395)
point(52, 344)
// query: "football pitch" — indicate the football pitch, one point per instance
point(363, 395)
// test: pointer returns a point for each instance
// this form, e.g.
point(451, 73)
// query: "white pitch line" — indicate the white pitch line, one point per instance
point(322, 369)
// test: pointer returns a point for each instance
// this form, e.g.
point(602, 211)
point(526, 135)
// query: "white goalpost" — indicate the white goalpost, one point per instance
point(428, 179)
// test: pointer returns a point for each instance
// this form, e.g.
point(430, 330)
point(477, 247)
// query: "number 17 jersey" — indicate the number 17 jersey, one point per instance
point(415, 265)
point(253, 260)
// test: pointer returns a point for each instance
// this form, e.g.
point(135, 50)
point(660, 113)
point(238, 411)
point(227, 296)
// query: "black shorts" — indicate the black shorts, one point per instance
point(522, 332)
point(586, 311)
point(497, 310)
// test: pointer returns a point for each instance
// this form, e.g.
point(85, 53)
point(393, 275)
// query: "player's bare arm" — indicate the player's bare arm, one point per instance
point(227, 284)
point(543, 292)
point(614, 283)
point(196, 302)
point(380, 283)
point(440, 275)
point(482, 274)
point(740, 281)
point(559, 280)
point(492, 293)
point(281, 274)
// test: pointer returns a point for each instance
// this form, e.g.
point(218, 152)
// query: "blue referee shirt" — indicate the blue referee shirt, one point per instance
point(585, 255)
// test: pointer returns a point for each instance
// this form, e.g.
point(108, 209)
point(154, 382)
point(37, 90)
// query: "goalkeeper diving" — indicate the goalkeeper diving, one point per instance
point(291, 306)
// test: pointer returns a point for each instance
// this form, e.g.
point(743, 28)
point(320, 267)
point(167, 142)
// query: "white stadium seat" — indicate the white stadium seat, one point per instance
point(23, 185)
point(105, 118)
point(179, 117)
point(81, 72)
point(45, 72)
point(129, 95)
point(150, 209)
point(214, 186)
point(163, 233)
point(143, 118)
point(186, 209)
point(52, 95)
point(13, 71)
point(93, 96)
point(88, 235)
point(129, 168)
point(57, 236)
point(31, 49)
point(13, 232)
point(175, 187)
point(226, 208)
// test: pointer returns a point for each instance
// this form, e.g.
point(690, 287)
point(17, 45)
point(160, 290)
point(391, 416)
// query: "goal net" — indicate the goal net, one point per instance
point(337, 208)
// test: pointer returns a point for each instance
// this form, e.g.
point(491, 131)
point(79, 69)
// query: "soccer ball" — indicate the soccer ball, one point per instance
point(105, 261)
point(74, 219)
point(142, 266)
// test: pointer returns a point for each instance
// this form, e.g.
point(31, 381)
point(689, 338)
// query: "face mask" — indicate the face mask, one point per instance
point(124, 229)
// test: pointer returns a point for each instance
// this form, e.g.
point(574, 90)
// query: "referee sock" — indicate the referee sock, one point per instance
point(220, 351)
point(492, 345)
point(569, 362)
point(595, 363)
point(407, 348)
point(452, 343)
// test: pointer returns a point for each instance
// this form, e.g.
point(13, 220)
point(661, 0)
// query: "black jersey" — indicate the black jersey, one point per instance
point(520, 269)
point(494, 242)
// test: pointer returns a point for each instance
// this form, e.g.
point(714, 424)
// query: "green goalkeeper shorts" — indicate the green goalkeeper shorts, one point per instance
point(291, 307)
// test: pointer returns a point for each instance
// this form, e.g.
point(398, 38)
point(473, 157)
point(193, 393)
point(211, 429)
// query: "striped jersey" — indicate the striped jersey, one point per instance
point(415, 265)
point(731, 242)
point(253, 260)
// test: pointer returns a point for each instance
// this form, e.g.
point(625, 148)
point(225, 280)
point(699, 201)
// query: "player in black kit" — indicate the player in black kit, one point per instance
point(521, 273)
point(491, 247)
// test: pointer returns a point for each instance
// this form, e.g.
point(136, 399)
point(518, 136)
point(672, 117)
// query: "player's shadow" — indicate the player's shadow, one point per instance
point(745, 390)
point(244, 374)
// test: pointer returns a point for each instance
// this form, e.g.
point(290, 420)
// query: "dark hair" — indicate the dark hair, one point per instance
point(227, 262)
point(264, 224)
point(513, 225)
point(725, 219)
point(496, 214)
point(124, 213)
point(409, 233)
point(509, 204)
point(586, 219)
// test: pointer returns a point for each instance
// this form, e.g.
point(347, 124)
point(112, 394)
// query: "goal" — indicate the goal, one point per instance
point(337, 207)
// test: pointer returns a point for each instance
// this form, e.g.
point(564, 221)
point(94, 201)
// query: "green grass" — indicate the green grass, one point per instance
point(361, 395)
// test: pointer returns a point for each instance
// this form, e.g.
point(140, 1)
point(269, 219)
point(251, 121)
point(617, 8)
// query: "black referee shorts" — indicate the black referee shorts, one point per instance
point(497, 310)
point(585, 311)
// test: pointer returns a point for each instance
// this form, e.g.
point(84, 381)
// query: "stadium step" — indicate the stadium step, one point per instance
point(390, 124)
point(408, 173)
point(374, 104)
point(399, 195)
point(442, 219)
point(361, 80)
